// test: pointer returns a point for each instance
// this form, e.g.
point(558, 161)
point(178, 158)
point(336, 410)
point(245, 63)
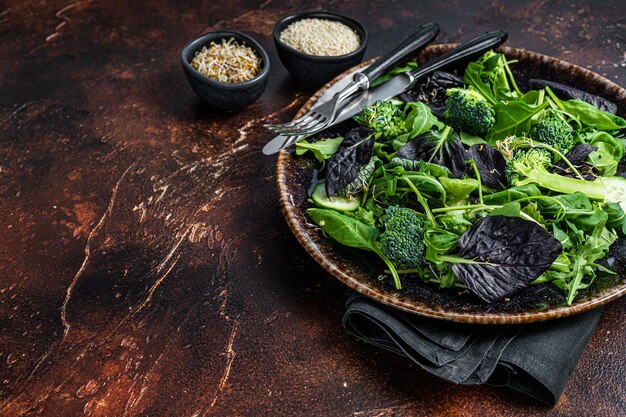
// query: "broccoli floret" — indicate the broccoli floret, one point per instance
point(403, 239)
point(553, 130)
point(384, 117)
point(468, 111)
point(525, 157)
point(531, 166)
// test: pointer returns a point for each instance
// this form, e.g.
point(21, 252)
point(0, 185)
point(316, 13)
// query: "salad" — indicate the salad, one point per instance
point(468, 181)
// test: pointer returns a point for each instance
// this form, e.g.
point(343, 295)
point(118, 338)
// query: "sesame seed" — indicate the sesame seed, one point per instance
point(320, 37)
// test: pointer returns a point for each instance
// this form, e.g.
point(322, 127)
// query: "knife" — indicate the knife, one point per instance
point(361, 80)
point(467, 51)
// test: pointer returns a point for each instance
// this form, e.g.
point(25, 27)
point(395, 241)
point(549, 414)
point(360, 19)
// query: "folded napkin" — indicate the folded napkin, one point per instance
point(535, 358)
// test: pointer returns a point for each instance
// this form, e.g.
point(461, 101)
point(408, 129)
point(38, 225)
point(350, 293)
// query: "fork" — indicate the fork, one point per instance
point(321, 116)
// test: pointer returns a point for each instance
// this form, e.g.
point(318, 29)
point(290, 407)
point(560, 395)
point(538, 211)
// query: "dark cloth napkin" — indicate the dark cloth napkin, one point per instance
point(536, 359)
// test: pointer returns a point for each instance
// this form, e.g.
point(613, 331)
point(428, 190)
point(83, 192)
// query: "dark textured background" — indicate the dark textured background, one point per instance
point(145, 267)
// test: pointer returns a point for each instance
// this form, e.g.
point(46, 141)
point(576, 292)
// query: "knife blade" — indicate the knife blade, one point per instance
point(402, 82)
point(280, 141)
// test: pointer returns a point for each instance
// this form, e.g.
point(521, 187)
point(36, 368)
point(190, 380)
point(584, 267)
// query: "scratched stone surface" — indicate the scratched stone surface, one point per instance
point(145, 267)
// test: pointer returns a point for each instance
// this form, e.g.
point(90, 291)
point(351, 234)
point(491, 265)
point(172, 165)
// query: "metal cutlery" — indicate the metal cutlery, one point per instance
point(320, 116)
point(469, 50)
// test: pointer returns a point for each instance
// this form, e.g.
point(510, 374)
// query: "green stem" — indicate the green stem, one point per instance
point(459, 260)
point(421, 200)
point(567, 162)
point(556, 104)
point(480, 183)
point(392, 270)
point(468, 207)
point(512, 79)
point(567, 185)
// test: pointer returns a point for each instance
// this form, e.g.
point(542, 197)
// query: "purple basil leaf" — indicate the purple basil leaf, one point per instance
point(565, 92)
point(419, 149)
point(344, 166)
point(452, 155)
point(577, 156)
point(429, 147)
point(490, 164)
point(433, 91)
point(517, 251)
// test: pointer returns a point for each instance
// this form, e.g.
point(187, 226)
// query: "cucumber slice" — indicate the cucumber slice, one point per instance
point(336, 203)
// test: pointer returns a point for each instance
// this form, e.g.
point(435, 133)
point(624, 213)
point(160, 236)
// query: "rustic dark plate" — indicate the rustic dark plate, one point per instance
point(362, 273)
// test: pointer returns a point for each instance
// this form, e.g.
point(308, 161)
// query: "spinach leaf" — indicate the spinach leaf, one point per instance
point(608, 154)
point(513, 118)
point(473, 77)
point(588, 222)
point(501, 255)
point(322, 149)
point(353, 233)
point(440, 147)
point(458, 190)
point(492, 77)
point(587, 114)
point(565, 92)
point(354, 152)
point(490, 164)
point(511, 209)
point(532, 210)
point(344, 229)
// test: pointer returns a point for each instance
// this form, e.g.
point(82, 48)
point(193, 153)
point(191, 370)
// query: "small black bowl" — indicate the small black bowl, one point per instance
point(316, 70)
point(219, 94)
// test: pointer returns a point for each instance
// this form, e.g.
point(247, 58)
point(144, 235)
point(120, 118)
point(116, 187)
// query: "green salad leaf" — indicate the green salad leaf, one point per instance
point(533, 197)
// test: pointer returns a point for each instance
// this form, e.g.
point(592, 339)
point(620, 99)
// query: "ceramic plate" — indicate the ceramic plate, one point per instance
point(362, 273)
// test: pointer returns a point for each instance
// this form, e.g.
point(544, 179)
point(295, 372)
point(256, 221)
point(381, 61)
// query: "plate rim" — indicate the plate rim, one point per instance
point(291, 213)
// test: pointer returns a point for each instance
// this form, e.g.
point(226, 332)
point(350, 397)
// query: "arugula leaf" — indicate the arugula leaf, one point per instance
point(419, 120)
point(588, 249)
